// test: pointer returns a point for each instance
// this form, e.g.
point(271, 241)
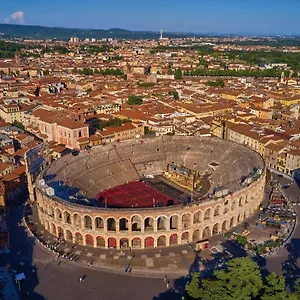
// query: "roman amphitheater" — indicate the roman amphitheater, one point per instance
point(132, 194)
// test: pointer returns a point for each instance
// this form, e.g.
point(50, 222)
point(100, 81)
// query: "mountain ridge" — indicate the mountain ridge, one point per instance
point(62, 33)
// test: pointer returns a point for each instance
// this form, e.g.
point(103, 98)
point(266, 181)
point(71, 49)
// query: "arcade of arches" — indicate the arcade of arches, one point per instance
point(141, 230)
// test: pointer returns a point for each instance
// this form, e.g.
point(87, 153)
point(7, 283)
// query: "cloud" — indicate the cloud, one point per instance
point(16, 17)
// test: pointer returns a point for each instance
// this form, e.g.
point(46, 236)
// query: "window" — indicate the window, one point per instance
point(79, 133)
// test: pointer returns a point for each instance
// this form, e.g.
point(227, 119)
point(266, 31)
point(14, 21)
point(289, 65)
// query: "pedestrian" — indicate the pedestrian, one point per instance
point(165, 279)
point(168, 284)
point(80, 279)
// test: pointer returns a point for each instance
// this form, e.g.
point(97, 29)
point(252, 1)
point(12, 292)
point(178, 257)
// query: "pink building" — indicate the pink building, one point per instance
point(56, 126)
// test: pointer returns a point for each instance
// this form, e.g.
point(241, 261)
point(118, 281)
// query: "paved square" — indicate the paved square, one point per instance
point(116, 257)
point(144, 256)
point(184, 251)
point(89, 254)
point(171, 254)
point(157, 255)
point(77, 252)
point(67, 249)
point(149, 262)
point(103, 256)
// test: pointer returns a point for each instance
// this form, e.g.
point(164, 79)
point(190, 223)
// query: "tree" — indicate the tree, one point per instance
point(112, 122)
point(18, 125)
point(175, 95)
point(178, 74)
point(148, 131)
point(243, 278)
point(275, 288)
point(192, 288)
point(217, 83)
point(297, 288)
point(135, 100)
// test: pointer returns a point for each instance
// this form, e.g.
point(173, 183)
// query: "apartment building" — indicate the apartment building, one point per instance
point(12, 112)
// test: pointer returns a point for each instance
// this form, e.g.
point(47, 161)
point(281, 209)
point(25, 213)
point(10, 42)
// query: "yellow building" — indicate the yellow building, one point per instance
point(12, 112)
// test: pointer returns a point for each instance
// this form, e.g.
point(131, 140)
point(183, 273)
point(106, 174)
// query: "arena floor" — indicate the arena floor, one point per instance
point(134, 194)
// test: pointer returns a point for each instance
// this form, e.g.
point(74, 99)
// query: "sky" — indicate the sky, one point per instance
point(198, 16)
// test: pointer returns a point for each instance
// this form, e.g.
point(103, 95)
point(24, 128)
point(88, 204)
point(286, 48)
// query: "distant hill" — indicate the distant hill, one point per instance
point(41, 32)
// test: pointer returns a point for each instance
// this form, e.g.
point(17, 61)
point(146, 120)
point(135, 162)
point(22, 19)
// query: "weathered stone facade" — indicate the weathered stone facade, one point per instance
point(150, 227)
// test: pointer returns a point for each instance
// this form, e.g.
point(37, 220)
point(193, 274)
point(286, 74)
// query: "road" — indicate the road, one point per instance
point(274, 262)
point(48, 278)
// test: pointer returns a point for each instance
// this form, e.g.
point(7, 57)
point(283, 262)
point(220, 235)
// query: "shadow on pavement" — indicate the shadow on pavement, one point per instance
point(291, 267)
point(21, 255)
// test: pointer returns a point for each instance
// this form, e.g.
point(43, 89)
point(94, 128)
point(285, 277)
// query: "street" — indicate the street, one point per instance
point(48, 278)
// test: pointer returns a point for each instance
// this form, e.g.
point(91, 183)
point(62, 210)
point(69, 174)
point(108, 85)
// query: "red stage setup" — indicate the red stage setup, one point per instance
point(134, 194)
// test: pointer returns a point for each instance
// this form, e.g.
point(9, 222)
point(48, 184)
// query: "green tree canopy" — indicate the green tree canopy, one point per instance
point(18, 124)
point(135, 100)
point(241, 280)
point(178, 74)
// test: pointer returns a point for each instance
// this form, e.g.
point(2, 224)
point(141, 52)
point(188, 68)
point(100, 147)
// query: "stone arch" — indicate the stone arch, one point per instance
point(239, 218)
point(217, 210)
point(53, 229)
point(224, 226)
point(99, 223)
point(136, 243)
point(46, 224)
point(231, 222)
point(51, 211)
point(112, 242)
point(136, 223)
point(100, 242)
point(245, 215)
point(196, 235)
point(123, 225)
point(149, 224)
point(207, 214)
point(246, 199)
point(206, 233)
point(78, 238)
point(60, 232)
point(88, 222)
point(186, 220)
point(173, 239)
point(111, 224)
point(124, 243)
point(241, 201)
point(215, 229)
point(197, 217)
point(67, 217)
point(174, 222)
point(162, 223)
point(161, 241)
point(233, 205)
point(58, 214)
point(69, 236)
point(149, 242)
point(89, 240)
point(77, 220)
point(184, 237)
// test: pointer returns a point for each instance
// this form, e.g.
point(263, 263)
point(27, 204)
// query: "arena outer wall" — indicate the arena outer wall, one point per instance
point(149, 227)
